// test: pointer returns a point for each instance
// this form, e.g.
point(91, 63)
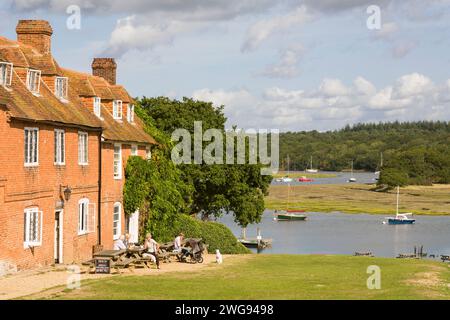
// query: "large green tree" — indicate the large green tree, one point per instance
point(218, 188)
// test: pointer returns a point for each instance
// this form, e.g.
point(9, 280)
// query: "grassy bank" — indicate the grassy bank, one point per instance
point(280, 277)
point(298, 174)
point(358, 198)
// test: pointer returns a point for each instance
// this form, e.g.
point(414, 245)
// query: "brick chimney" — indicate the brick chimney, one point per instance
point(36, 33)
point(105, 68)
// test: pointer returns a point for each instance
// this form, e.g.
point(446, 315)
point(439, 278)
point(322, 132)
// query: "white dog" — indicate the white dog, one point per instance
point(219, 259)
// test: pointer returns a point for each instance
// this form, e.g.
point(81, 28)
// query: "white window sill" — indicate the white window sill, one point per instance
point(29, 245)
point(117, 178)
point(36, 94)
point(63, 100)
point(31, 165)
point(83, 164)
point(60, 164)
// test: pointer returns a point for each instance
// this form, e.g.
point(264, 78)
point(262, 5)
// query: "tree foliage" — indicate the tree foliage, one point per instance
point(218, 188)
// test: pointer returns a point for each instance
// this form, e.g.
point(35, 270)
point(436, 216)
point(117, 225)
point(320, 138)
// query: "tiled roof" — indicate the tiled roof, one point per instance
point(46, 107)
point(89, 86)
point(22, 104)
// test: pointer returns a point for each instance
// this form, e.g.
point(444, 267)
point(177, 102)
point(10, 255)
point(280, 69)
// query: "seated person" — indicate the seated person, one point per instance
point(178, 242)
point(119, 243)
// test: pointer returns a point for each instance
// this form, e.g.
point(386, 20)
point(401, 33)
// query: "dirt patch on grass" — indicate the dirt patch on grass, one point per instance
point(429, 283)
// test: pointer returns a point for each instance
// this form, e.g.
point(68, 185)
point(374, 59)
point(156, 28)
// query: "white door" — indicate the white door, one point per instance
point(133, 227)
point(58, 236)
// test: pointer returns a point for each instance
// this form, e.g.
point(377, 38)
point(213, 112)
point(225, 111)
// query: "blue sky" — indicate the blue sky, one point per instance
point(288, 65)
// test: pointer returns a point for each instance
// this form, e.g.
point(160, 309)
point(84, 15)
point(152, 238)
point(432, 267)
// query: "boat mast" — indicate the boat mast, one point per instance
point(352, 168)
point(381, 162)
point(311, 163)
point(398, 197)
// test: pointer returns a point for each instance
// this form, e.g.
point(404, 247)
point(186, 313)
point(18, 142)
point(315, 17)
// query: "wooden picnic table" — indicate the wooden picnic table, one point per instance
point(113, 254)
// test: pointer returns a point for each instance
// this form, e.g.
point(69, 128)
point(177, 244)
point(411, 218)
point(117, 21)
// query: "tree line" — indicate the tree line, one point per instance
point(417, 152)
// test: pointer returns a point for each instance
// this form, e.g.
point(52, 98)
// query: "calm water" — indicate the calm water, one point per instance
point(341, 178)
point(338, 233)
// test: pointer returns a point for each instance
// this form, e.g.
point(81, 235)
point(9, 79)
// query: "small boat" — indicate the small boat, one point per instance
point(305, 179)
point(286, 179)
point(311, 170)
point(290, 215)
point(352, 178)
point(400, 218)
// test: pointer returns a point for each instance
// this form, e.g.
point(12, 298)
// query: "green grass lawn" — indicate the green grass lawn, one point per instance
point(280, 277)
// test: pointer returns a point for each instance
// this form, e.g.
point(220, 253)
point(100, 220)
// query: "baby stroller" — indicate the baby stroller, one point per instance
point(194, 253)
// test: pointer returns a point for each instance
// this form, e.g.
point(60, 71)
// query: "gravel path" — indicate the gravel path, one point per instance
point(30, 282)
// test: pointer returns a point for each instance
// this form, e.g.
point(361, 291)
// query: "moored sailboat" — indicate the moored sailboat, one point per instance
point(289, 215)
point(311, 170)
point(400, 218)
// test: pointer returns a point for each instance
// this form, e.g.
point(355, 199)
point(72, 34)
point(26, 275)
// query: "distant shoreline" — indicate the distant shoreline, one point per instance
point(359, 198)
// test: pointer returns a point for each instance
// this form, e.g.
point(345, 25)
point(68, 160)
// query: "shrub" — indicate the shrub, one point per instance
point(214, 234)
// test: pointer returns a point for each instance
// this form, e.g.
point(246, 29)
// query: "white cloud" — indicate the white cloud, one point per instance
point(412, 85)
point(262, 30)
point(130, 33)
point(287, 67)
point(333, 105)
point(333, 87)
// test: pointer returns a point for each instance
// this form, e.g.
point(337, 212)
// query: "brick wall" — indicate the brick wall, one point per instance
point(112, 189)
point(40, 187)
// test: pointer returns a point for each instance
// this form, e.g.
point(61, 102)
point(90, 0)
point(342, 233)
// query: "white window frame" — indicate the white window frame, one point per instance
point(117, 109)
point(37, 241)
point(36, 86)
point(134, 150)
point(97, 106)
point(64, 90)
point(117, 164)
point(130, 113)
point(148, 153)
point(60, 147)
point(5, 76)
point(33, 149)
point(83, 160)
point(117, 230)
point(86, 217)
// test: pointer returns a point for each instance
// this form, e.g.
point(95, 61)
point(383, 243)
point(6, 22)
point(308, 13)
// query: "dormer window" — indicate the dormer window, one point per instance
point(117, 109)
point(97, 106)
point(33, 80)
point(6, 69)
point(130, 113)
point(61, 87)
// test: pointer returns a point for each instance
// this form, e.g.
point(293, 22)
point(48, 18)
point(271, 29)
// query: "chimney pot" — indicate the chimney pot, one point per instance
point(105, 68)
point(36, 33)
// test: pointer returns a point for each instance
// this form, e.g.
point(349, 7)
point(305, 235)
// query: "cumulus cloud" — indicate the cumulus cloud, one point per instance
point(287, 66)
point(333, 104)
point(129, 33)
point(262, 30)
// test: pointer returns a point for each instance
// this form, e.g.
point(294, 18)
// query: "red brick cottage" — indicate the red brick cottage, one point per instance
point(65, 138)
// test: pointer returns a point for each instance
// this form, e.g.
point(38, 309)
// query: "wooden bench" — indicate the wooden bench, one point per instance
point(124, 263)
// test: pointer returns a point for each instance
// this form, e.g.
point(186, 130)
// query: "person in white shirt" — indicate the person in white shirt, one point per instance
point(177, 243)
point(151, 248)
point(119, 243)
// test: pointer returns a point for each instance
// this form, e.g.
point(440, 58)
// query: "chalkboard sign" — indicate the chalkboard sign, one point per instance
point(102, 265)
